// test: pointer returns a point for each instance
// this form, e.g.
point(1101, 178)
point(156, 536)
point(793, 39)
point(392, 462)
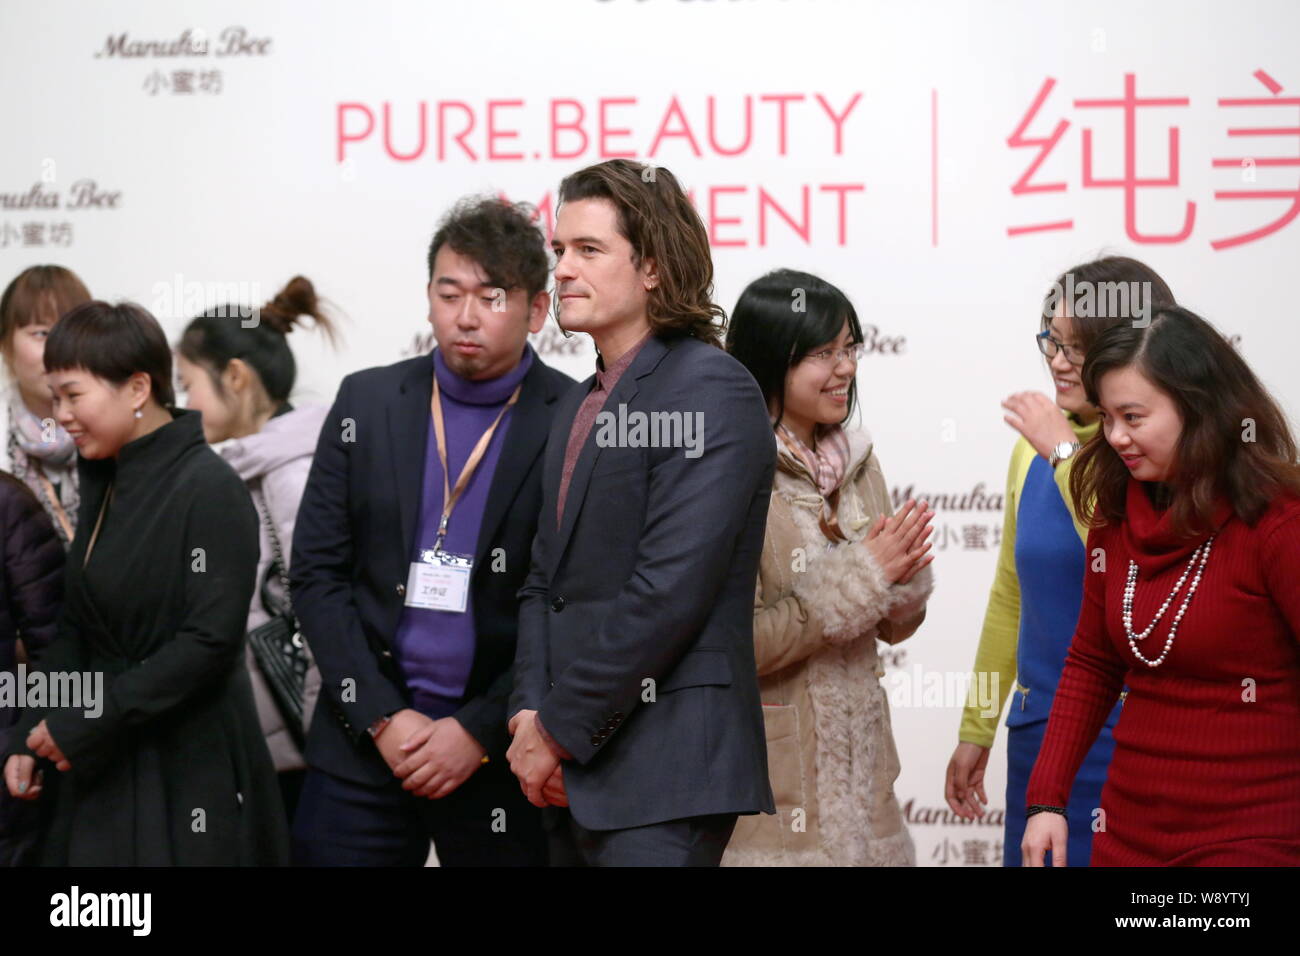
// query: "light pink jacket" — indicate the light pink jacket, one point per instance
point(274, 463)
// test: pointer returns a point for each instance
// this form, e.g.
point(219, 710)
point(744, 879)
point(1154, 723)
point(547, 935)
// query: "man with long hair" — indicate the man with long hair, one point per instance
point(635, 711)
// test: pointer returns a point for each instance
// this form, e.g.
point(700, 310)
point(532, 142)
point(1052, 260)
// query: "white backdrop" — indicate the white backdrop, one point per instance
point(234, 155)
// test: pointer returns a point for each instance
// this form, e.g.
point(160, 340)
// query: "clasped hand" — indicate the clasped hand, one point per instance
point(540, 772)
point(432, 757)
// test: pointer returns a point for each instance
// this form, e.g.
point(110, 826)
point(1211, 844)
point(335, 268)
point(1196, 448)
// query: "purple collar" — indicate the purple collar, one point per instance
point(492, 391)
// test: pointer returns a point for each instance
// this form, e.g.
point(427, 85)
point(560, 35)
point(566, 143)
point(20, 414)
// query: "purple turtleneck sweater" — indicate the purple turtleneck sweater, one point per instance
point(436, 648)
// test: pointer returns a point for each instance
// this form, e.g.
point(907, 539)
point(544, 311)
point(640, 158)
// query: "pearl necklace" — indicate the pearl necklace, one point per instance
point(1202, 554)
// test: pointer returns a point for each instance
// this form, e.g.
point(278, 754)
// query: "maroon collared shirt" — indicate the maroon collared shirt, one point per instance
point(606, 379)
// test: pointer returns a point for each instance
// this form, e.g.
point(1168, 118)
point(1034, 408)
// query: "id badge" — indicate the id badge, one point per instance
point(439, 581)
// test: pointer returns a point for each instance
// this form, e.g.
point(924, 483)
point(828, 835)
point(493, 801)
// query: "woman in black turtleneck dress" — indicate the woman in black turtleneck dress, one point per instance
point(173, 770)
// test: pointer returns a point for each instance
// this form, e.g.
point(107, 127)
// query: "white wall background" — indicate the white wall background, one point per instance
point(240, 182)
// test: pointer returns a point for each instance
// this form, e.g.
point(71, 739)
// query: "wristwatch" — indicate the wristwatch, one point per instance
point(1062, 451)
point(375, 729)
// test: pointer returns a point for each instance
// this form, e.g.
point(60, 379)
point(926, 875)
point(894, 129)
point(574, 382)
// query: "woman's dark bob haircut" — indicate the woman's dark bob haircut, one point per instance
point(780, 318)
point(113, 342)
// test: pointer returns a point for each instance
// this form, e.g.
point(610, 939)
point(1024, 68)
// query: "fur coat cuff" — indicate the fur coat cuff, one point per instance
point(845, 589)
point(908, 600)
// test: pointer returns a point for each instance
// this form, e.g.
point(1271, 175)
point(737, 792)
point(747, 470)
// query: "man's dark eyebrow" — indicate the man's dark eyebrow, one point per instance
point(456, 285)
point(448, 280)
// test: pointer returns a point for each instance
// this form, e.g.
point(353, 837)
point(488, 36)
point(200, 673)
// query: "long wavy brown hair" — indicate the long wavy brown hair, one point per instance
point(1235, 439)
point(657, 218)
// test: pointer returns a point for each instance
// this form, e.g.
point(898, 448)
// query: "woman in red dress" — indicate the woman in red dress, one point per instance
point(1192, 599)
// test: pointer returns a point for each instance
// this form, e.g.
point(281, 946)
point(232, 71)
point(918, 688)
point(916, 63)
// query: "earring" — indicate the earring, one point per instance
point(139, 413)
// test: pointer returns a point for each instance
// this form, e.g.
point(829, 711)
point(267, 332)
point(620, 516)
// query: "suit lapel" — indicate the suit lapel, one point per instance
point(524, 439)
point(408, 433)
point(623, 393)
point(561, 426)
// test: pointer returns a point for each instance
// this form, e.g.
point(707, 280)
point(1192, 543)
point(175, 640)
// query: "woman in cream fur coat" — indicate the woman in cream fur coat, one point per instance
point(839, 572)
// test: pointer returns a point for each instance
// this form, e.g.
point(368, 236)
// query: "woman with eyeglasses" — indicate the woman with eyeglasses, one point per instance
point(1037, 588)
point(1193, 504)
point(838, 572)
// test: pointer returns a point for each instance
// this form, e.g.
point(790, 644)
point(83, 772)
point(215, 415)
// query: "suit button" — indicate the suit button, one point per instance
point(401, 589)
point(617, 716)
point(387, 653)
point(596, 740)
point(611, 724)
point(557, 604)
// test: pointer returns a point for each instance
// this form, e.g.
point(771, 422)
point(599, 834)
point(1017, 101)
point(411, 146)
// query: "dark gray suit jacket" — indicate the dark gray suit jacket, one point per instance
point(636, 621)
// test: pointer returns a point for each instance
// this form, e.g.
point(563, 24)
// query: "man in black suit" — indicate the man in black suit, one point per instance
point(412, 540)
point(636, 697)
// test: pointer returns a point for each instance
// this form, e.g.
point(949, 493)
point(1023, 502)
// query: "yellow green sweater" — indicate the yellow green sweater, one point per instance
point(997, 648)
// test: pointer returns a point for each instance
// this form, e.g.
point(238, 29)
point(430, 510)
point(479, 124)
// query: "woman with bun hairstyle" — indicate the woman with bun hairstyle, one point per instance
point(1192, 498)
point(36, 450)
point(1038, 583)
point(239, 374)
point(160, 761)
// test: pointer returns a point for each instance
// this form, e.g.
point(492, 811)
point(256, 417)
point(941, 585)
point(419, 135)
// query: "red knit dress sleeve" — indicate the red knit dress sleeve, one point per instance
point(1091, 682)
point(1280, 558)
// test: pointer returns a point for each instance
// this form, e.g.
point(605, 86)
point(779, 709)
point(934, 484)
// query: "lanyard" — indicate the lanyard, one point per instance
point(94, 535)
point(451, 495)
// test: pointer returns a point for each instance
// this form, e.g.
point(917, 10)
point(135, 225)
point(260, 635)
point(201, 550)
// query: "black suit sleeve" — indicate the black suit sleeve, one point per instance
point(484, 716)
point(321, 578)
point(530, 681)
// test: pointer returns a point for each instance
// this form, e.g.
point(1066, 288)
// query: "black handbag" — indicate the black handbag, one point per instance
point(277, 644)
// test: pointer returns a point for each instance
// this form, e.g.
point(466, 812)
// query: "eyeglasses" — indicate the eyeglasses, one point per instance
point(1049, 347)
point(835, 356)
